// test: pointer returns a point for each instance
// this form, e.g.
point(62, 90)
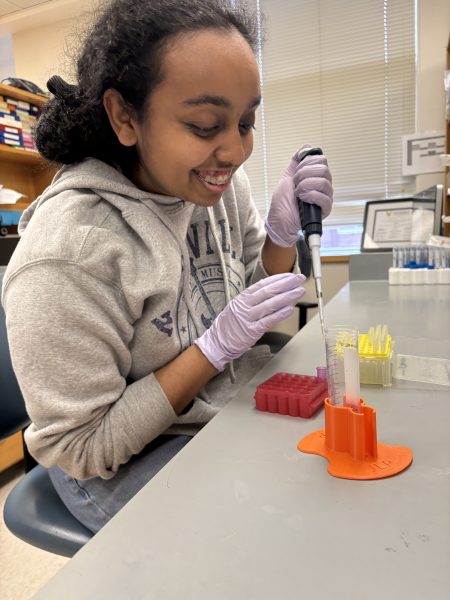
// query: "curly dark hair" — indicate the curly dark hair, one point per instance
point(124, 51)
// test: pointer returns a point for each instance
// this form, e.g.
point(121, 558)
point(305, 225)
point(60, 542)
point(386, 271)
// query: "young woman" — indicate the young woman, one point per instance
point(144, 268)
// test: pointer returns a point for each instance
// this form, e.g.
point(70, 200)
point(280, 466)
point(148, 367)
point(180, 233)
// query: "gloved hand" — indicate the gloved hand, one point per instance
point(309, 180)
point(250, 314)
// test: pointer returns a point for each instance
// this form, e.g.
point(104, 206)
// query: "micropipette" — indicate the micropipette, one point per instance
point(311, 220)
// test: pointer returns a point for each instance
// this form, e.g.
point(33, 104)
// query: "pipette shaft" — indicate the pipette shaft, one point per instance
point(314, 244)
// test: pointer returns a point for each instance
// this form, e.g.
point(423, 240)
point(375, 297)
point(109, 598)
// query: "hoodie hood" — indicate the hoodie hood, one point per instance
point(102, 179)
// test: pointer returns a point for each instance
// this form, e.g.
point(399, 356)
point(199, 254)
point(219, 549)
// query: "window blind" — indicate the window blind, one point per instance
point(339, 74)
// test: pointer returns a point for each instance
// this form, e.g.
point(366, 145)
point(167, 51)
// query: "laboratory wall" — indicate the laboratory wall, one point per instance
point(432, 36)
point(44, 51)
point(7, 66)
point(44, 34)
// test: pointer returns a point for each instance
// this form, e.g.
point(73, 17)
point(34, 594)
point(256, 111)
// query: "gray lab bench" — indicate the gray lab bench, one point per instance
point(240, 514)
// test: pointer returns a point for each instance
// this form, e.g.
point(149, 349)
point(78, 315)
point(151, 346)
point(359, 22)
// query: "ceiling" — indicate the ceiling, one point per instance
point(19, 15)
point(8, 7)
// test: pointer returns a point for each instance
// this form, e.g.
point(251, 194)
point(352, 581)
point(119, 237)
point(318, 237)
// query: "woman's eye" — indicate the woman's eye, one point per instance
point(246, 127)
point(203, 131)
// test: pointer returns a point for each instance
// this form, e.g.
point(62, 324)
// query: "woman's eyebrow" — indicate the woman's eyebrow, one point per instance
point(216, 101)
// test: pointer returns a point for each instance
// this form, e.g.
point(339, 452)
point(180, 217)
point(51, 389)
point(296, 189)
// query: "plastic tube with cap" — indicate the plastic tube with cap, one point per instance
point(351, 371)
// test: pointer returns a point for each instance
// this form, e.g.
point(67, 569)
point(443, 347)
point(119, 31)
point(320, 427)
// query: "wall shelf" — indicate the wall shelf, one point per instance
point(13, 92)
point(17, 155)
point(21, 170)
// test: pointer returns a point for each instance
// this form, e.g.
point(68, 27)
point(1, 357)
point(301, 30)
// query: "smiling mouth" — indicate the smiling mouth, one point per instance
point(215, 178)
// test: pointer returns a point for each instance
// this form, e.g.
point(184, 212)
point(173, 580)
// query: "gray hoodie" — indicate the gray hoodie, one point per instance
point(108, 284)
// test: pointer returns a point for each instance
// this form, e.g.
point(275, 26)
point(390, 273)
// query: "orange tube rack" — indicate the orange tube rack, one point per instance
point(349, 442)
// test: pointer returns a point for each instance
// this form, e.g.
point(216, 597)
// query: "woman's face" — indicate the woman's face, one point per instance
point(199, 124)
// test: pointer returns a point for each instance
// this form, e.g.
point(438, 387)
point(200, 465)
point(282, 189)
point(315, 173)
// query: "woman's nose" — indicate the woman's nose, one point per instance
point(233, 148)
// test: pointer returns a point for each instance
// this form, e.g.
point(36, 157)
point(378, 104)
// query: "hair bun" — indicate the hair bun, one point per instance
point(60, 88)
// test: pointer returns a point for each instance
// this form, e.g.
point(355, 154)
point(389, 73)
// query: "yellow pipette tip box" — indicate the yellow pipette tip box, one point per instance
point(366, 347)
point(375, 356)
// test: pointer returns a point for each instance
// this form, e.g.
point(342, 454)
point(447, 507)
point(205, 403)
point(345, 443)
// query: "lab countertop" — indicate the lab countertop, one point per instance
point(241, 514)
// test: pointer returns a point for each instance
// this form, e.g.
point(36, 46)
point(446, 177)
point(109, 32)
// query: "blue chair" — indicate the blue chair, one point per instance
point(35, 513)
point(33, 510)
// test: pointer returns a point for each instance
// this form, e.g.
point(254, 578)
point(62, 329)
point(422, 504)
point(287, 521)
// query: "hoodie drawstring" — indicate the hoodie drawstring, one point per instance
point(226, 283)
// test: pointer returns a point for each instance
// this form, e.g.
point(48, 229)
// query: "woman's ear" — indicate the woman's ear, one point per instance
point(120, 117)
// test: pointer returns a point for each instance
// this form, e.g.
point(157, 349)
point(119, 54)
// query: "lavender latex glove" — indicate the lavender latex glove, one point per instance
point(309, 180)
point(250, 314)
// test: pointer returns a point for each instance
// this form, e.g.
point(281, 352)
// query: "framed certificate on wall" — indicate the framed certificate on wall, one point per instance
point(402, 222)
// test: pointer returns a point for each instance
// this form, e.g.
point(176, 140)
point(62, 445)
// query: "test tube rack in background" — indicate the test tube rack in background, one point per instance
point(420, 265)
point(376, 350)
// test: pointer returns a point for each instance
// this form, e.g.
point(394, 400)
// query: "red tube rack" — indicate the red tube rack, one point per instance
point(290, 394)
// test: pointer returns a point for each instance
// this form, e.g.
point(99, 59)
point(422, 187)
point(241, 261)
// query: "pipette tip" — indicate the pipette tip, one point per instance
point(321, 316)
